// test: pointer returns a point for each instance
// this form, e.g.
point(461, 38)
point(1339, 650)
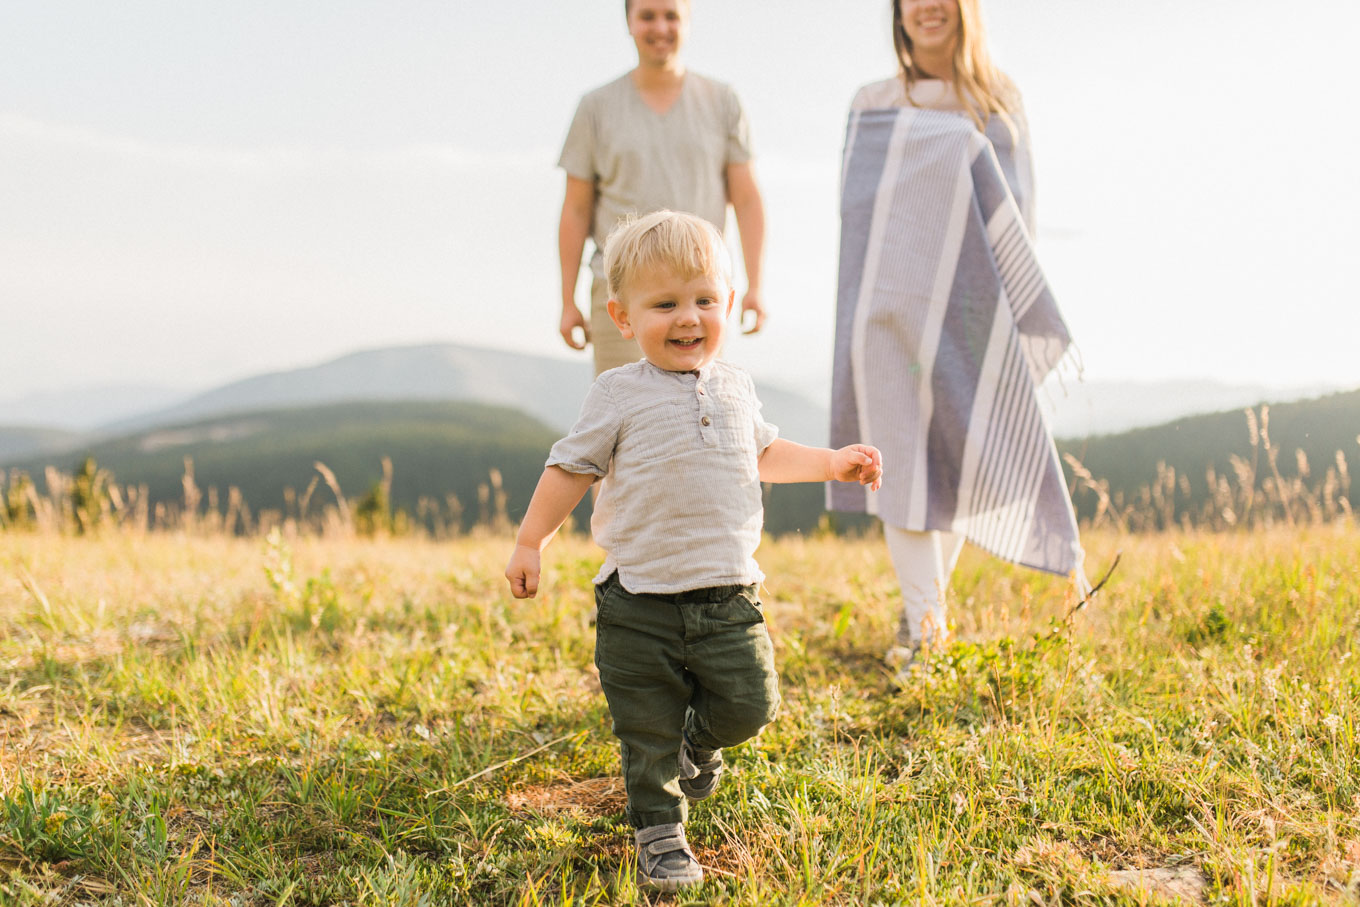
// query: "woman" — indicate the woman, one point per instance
point(945, 325)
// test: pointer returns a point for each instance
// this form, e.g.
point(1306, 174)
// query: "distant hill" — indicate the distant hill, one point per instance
point(85, 408)
point(549, 389)
point(1319, 428)
point(18, 441)
point(437, 448)
point(357, 408)
point(540, 386)
point(1082, 409)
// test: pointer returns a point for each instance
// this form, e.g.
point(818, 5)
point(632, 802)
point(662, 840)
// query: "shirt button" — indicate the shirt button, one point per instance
point(705, 421)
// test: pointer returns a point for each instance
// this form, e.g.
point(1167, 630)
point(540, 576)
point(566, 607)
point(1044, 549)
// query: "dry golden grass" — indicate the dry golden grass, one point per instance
point(205, 719)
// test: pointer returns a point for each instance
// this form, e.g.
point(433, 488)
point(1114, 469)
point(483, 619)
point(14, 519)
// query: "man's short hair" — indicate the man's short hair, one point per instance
point(628, 7)
point(684, 244)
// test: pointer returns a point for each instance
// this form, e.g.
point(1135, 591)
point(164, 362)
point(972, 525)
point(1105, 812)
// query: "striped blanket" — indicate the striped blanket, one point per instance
point(945, 326)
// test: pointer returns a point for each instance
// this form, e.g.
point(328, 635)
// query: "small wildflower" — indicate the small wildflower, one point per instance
point(1332, 723)
point(1204, 733)
point(1270, 681)
point(1128, 760)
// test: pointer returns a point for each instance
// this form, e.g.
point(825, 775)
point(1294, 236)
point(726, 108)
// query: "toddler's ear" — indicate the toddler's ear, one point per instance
point(731, 298)
point(618, 313)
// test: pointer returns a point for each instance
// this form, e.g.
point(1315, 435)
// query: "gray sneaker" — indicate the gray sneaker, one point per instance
point(699, 770)
point(901, 657)
point(664, 859)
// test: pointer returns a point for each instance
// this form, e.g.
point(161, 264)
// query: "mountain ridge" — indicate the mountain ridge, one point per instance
point(547, 388)
point(267, 451)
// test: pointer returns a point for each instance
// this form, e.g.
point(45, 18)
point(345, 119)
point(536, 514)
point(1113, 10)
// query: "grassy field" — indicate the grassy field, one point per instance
point(255, 722)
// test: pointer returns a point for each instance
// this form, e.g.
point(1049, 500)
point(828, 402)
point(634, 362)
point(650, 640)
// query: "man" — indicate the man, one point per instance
point(657, 137)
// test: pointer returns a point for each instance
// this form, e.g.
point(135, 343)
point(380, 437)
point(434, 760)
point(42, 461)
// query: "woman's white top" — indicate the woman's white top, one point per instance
point(933, 94)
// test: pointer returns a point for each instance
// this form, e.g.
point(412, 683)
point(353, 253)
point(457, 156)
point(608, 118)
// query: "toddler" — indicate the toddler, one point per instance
point(679, 443)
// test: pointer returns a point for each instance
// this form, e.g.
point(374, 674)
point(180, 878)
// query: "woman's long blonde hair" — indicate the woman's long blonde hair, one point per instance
point(982, 89)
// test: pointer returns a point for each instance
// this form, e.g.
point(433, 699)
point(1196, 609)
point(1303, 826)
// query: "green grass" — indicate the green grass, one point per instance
point(191, 720)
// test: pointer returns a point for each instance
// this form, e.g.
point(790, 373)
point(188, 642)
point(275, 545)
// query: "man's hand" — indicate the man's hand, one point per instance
point(573, 320)
point(522, 571)
point(858, 463)
point(753, 303)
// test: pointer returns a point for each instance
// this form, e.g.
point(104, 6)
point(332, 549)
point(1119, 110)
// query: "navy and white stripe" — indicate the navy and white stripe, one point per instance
point(945, 326)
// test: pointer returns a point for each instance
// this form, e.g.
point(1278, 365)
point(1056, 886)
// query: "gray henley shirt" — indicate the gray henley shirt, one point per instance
point(680, 505)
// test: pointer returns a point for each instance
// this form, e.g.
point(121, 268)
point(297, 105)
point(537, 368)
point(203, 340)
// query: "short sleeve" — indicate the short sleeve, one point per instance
point(589, 448)
point(765, 433)
point(889, 92)
point(862, 99)
point(738, 131)
point(578, 151)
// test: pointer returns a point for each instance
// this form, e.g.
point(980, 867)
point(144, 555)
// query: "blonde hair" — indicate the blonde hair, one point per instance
point(981, 88)
point(684, 244)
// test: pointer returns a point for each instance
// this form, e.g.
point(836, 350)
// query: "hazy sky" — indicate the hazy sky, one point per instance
point(192, 192)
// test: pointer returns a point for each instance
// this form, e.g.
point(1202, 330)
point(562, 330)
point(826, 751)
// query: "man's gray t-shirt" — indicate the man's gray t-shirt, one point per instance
point(642, 161)
point(680, 507)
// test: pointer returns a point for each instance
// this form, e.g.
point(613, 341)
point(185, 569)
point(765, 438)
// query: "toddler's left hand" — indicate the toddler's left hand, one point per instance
point(858, 463)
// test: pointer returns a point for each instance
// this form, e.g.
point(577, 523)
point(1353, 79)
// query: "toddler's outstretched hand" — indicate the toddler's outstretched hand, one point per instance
point(858, 463)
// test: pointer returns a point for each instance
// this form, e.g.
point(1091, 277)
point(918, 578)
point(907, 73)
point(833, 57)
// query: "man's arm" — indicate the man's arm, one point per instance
point(749, 207)
point(557, 494)
point(578, 207)
point(785, 461)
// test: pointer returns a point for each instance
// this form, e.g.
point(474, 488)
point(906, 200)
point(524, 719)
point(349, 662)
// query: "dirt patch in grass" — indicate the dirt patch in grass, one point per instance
point(101, 647)
point(1182, 882)
point(590, 797)
point(33, 740)
point(1064, 859)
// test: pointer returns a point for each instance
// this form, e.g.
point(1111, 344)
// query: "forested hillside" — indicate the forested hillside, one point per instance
point(1306, 440)
point(436, 450)
point(443, 455)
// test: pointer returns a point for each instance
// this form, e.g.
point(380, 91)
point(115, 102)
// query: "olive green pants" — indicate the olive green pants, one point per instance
point(698, 663)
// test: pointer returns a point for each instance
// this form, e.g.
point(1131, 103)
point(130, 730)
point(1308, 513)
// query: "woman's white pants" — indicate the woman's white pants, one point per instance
point(924, 562)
